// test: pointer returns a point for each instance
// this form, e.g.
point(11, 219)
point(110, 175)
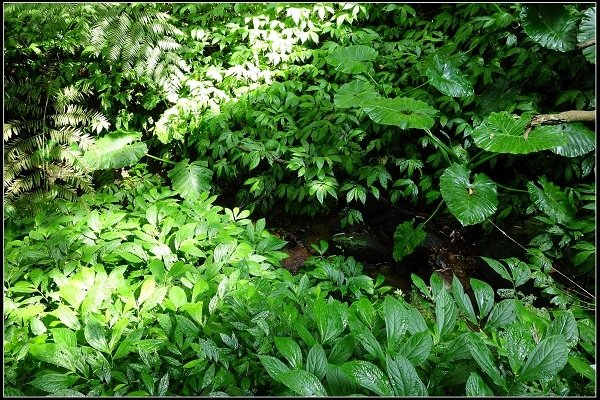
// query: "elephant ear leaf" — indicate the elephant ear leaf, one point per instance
point(587, 32)
point(502, 133)
point(115, 150)
point(403, 112)
point(470, 203)
point(190, 179)
point(580, 140)
point(550, 25)
point(354, 94)
point(352, 59)
point(407, 238)
point(551, 201)
point(446, 78)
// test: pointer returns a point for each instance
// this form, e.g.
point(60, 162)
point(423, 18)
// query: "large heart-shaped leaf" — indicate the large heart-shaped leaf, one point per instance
point(404, 112)
point(115, 150)
point(502, 133)
point(446, 78)
point(190, 179)
point(407, 238)
point(552, 201)
point(587, 31)
point(354, 94)
point(352, 59)
point(580, 140)
point(470, 203)
point(550, 25)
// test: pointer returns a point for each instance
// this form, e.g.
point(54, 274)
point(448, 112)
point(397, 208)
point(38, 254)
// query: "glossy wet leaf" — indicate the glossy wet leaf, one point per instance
point(403, 112)
point(484, 295)
point(417, 347)
point(394, 316)
point(463, 301)
point(551, 200)
point(404, 377)
point(290, 350)
point(94, 334)
point(448, 79)
point(352, 59)
point(53, 382)
point(445, 313)
point(407, 238)
point(316, 361)
point(550, 25)
point(580, 140)
point(369, 376)
point(587, 31)
point(503, 314)
point(484, 358)
point(476, 387)
point(546, 360)
point(470, 203)
point(303, 383)
point(354, 94)
point(273, 366)
point(502, 133)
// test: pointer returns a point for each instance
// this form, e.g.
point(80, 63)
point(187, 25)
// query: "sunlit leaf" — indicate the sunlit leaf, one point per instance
point(190, 179)
point(115, 150)
point(587, 31)
point(550, 25)
point(476, 387)
point(302, 382)
point(369, 376)
point(354, 94)
point(403, 112)
point(53, 382)
point(352, 59)
point(580, 140)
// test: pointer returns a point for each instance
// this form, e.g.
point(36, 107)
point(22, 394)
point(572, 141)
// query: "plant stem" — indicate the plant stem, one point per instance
point(511, 189)
point(161, 159)
point(484, 160)
point(447, 151)
point(434, 212)
point(415, 88)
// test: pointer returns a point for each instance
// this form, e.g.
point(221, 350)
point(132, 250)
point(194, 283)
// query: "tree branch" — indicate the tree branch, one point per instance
point(587, 43)
point(560, 118)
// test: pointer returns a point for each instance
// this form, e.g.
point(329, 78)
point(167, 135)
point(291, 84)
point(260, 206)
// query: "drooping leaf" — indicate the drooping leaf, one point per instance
point(95, 335)
point(407, 238)
point(445, 313)
point(190, 179)
point(273, 366)
point(354, 94)
point(448, 79)
point(316, 361)
point(580, 140)
point(470, 203)
point(369, 376)
point(463, 301)
point(551, 200)
point(485, 360)
point(115, 150)
point(302, 382)
point(587, 31)
point(290, 350)
point(546, 360)
point(352, 59)
point(476, 387)
point(498, 267)
point(501, 133)
point(403, 112)
point(550, 25)
point(484, 295)
point(404, 377)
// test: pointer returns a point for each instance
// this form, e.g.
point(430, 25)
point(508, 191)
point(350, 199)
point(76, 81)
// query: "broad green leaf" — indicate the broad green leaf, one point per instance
point(502, 133)
point(485, 360)
point(552, 201)
point(54, 354)
point(339, 383)
point(446, 78)
point(463, 301)
point(328, 320)
point(470, 203)
point(394, 316)
point(498, 267)
point(550, 25)
point(190, 179)
point(403, 112)
point(73, 294)
point(147, 289)
point(580, 140)
point(445, 313)
point(316, 361)
point(354, 94)
point(94, 221)
point(302, 382)
point(67, 317)
point(53, 382)
point(484, 295)
point(177, 296)
point(503, 313)
point(128, 344)
point(290, 350)
point(417, 347)
point(37, 326)
point(95, 335)
point(352, 59)
point(519, 344)
point(547, 359)
point(415, 321)
point(587, 31)
point(404, 378)
point(583, 367)
point(369, 376)
point(407, 238)
point(565, 324)
point(342, 350)
point(476, 387)
point(115, 150)
point(163, 385)
point(273, 366)
point(366, 338)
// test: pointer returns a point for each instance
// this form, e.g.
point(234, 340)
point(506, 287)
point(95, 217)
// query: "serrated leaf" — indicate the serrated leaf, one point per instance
point(484, 295)
point(163, 385)
point(316, 361)
point(483, 357)
point(190, 179)
point(407, 239)
point(501, 133)
point(550, 25)
point(273, 366)
point(95, 336)
point(445, 313)
point(503, 314)
point(302, 382)
point(53, 382)
point(115, 150)
point(546, 360)
point(580, 140)
point(463, 301)
point(417, 348)
point(290, 350)
point(498, 267)
point(395, 319)
point(587, 31)
point(552, 201)
point(367, 375)
point(67, 317)
point(476, 387)
point(446, 78)
point(565, 324)
point(366, 338)
point(177, 296)
point(354, 94)
point(403, 112)
point(470, 203)
point(404, 377)
point(352, 59)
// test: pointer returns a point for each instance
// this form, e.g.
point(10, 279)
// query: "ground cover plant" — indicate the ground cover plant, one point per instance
point(150, 150)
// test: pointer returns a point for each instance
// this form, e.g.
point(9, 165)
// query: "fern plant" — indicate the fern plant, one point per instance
point(45, 134)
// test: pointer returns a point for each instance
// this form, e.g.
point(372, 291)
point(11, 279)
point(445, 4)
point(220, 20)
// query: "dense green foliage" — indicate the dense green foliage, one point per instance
point(126, 125)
